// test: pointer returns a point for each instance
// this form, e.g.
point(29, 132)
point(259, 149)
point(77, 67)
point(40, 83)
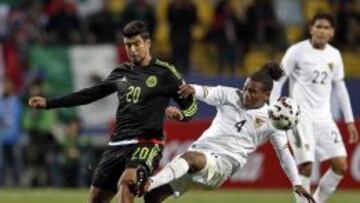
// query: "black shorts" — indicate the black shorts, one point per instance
point(116, 158)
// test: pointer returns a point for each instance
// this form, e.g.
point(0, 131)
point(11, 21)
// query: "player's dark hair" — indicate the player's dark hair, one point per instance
point(323, 16)
point(267, 74)
point(136, 27)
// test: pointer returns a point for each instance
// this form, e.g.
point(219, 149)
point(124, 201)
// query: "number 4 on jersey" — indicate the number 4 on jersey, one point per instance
point(239, 125)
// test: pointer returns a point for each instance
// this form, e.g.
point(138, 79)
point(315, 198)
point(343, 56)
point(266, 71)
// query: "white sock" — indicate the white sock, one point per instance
point(327, 185)
point(305, 182)
point(173, 170)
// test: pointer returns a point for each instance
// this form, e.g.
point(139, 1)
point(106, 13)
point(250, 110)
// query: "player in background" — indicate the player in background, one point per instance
point(240, 126)
point(314, 68)
point(144, 88)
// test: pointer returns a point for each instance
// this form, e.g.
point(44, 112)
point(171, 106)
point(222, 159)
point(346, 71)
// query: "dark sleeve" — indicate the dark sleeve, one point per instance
point(85, 96)
point(187, 105)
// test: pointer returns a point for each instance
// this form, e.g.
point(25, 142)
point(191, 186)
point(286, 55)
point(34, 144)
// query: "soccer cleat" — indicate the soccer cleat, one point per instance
point(138, 188)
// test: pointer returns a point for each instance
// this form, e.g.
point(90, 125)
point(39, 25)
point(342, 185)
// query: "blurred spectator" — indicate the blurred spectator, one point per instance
point(15, 47)
point(64, 24)
point(104, 25)
point(87, 8)
point(4, 12)
point(288, 13)
point(2, 168)
point(15, 60)
point(42, 149)
point(140, 10)
point(26, 25)
point(348, 24)
point(74, 148)
point(10, 135)
point(263, 25)
point(224, 33)
point(2, 71)
point(182, 15)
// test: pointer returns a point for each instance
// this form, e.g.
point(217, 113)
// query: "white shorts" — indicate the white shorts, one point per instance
point(302, 142)
point(311, 140)
point(329, 142)
point(215, 173)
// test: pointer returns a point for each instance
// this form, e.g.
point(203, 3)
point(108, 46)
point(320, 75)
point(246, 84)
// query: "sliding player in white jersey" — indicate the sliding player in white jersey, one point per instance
point(314, 67)
point(240, 126)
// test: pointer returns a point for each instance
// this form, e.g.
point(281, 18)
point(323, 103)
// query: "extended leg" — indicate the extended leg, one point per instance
point(330, 180)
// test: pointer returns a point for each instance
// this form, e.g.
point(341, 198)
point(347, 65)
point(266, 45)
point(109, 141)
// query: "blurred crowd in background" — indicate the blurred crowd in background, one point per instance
point(217, 38)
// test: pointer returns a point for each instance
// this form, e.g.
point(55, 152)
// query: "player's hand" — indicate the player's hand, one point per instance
point(174, 113)
point(186, 90)
point(37, 102)
point(300, 190)
point(354, 135)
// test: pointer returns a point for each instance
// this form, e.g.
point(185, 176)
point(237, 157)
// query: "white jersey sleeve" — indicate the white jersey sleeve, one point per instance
point(215, 96)
point(288, 62)
point(280, 143)
point(339, 67)
point(341, 90)
point(344, 99)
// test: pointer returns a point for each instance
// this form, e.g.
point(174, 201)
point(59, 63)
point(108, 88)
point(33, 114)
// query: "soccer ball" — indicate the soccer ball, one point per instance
point(284, 113)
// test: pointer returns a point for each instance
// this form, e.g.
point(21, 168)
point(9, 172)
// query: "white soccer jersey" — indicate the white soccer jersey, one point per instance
point(235, 132)
point(311, 72)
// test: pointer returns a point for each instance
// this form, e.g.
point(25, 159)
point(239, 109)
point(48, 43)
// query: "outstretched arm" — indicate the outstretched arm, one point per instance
point(37, 102)
point(82, 97)
point(288, 64)
point(289, 166)
point(211, 95)
point(277, 88)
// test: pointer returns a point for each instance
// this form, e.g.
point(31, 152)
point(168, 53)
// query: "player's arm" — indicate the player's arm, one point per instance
point(288, 63)
point(81, 97)
point(187, 105)
point(344, 99)
point(345, 104)
point(277, 88)
point(280, 144)
point(211, 95)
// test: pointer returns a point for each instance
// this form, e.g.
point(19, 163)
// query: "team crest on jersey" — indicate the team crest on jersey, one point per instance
point(151, 81)
point(331, 66)
point(259, 122)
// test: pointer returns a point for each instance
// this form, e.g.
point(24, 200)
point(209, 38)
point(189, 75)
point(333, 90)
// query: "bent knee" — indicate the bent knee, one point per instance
point(128, 177)
point(305, 169)
point(196, 161)
point(340, 169)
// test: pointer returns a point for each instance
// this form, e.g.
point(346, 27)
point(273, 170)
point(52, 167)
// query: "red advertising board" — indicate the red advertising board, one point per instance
point(263, 169)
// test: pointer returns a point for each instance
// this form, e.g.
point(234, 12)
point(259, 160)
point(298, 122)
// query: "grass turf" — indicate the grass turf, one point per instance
point(218, 196)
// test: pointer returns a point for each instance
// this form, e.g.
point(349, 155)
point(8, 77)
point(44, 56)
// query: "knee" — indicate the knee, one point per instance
point(128, 177)
point(196, 161)
point(340, 168)
point(305, 169)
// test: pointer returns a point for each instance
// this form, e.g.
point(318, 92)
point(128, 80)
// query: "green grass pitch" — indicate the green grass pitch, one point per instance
point(216, 196)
